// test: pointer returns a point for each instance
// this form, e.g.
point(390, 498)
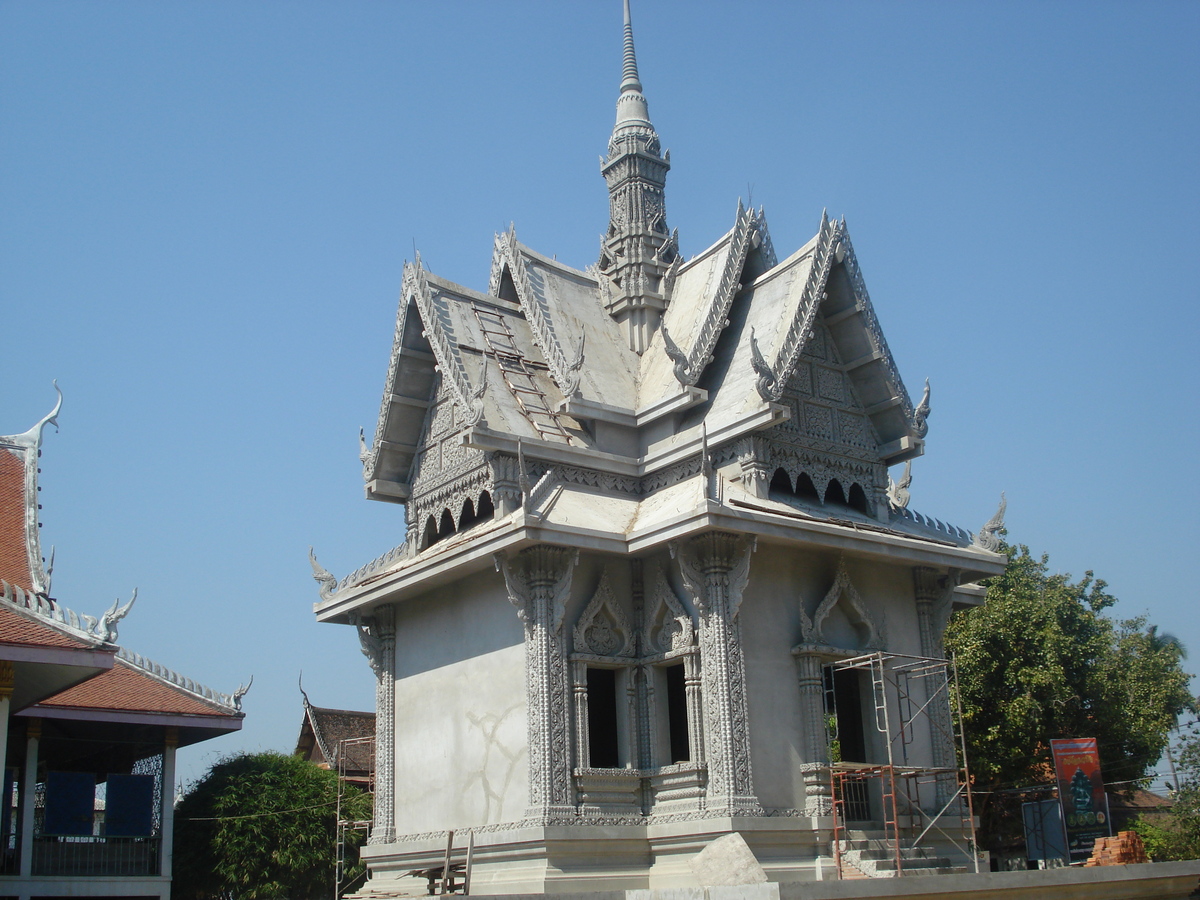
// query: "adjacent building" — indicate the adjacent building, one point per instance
point(89, 729)
point(655, 570)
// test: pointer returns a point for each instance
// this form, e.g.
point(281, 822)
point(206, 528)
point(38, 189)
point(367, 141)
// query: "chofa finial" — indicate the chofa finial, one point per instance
point(989, 535)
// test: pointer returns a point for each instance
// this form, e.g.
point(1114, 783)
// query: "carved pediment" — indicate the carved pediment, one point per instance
point(603, 629)
point(843, 596)
point(668, 625)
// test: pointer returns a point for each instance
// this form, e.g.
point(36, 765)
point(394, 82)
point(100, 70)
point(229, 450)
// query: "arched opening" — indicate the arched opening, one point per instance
point(806, 490)
point(431, 534)
point(858, 499)
point(781, 482)
point(834, 493)
point(485, 510)
point(466, 518)
point(446, 528)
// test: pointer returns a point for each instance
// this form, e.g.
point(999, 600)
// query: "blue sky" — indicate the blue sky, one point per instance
point(205, 207)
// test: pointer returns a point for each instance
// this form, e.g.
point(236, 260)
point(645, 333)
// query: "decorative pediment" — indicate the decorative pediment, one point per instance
point(668, 626)
point(845, 597)
point(603, 629)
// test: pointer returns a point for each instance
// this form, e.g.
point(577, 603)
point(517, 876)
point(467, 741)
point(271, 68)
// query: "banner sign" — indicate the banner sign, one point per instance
point(1081, 794)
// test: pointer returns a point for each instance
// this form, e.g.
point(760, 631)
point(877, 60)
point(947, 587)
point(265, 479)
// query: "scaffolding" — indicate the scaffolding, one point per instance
point(905, 690)
point(351, 749)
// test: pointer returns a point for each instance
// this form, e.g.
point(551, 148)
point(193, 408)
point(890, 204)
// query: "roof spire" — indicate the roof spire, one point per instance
point(638, 248)
point(629, 72)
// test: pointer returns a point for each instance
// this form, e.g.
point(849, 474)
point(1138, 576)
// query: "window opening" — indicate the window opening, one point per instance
point(677, 718)
point(602, 718)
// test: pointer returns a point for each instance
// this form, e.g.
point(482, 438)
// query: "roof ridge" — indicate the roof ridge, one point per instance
point(53, 614)
point(159, 672)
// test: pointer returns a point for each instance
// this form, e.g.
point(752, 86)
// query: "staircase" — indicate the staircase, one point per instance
point(872, 855)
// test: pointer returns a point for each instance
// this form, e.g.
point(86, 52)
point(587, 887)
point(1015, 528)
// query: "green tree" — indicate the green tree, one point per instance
point(1176, 833)
point(261, 826)
point(1041, 660)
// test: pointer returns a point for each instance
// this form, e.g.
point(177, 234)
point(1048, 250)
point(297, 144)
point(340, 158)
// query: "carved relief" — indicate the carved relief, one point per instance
point(844, 593)
point(603, 629)
point(668, 625)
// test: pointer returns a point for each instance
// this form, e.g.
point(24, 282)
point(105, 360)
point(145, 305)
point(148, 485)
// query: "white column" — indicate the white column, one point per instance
point(33, 733)
point(167, 818)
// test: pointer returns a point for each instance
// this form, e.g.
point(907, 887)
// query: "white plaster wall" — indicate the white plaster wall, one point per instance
point(780, 579)
point(461, 734)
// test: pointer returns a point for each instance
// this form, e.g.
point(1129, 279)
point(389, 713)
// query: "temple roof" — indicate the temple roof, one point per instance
point(127, 687)
point(323, 730)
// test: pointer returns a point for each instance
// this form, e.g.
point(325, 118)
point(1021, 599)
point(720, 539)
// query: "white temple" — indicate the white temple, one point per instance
point(648, 515)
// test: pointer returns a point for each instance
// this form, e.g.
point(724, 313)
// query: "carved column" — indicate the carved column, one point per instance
point(506, 485)
point(695, 707)
point(933, 591)
point(378, 637)
point(583, 736)
point(752, 458)
point(811, 677)
point(715, 567)
point(539, 583)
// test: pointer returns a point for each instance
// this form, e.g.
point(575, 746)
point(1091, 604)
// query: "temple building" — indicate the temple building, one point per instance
point(88, 729)
point(656, 584)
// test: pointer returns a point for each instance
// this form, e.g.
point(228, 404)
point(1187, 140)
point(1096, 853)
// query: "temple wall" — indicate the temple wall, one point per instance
point(461, 741)
point(780, 579)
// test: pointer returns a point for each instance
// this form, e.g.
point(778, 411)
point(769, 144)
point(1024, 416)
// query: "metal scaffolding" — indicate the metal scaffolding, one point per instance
point(346, 828)
point(905, 691)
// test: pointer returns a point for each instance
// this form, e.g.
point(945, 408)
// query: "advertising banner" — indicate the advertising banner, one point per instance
point(1081, 794)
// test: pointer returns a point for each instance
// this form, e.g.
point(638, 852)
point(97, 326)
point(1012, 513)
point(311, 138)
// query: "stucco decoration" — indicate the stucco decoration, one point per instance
point(327, 583)
point(106, 629)
point(921, 413)
point(897, 492)
point(989, 535)
point(843, 592)
point(603, 629)
point(715, 567)
point(377, 636)
point(538, 580)
point(668, 625)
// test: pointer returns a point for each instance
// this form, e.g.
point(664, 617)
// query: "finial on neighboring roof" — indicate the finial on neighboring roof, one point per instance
point(629, 72)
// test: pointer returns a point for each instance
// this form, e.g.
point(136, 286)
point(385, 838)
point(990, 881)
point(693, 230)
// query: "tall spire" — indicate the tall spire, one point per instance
point(637, 249)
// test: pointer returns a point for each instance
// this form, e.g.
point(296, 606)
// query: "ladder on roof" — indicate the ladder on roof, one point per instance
point(502, 347)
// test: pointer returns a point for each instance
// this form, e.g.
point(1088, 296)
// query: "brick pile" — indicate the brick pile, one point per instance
point(1121, 850)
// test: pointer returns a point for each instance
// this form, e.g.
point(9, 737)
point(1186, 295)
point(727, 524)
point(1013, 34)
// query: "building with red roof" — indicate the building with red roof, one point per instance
point(88, 725)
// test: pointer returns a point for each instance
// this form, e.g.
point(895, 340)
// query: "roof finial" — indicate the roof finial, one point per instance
point(629, 72)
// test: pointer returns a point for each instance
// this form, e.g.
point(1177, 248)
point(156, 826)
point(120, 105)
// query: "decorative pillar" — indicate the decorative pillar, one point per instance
point(815, 737)
point(33, 734)
point(752, 458)
point(583, 734)
point(167, 818)
point(538, 580)
point(695, 707)
point(377, 634)
point(7, 678)
point(933, 591)
point(715, 567)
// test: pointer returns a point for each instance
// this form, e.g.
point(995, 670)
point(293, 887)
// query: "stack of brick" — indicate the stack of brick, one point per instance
point(1121, 850)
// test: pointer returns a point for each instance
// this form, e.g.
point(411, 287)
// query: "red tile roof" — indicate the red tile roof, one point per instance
point(18, 629)
point(128, 689)
point(14, 554)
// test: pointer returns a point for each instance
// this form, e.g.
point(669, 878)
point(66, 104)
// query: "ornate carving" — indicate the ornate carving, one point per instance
point(603, 629)
point(842, 590)
point(538, 580)
point(897, 492)
point(328, 584)
point(806, 312)
point(989, 535)
point(688, 368)
point(921, 413)
point(378, 637)
point(668, 625)
point(715, 567)
point(107, 629)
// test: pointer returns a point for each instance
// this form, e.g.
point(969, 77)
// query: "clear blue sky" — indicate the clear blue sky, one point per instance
point(205, 207)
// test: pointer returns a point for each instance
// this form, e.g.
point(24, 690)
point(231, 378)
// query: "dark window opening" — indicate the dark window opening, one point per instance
point(446, 527)
point(677, 718)
point(806, 490)
point(466, 518)
point(843, 684)
point(602, 718)
point(507, 290)
point(485, 510)
point(781, 482)
point(473, 516)
point(858, 499)
point(431, 533)
point(834, 493)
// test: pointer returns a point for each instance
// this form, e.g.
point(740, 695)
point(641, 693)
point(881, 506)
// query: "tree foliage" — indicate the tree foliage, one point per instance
point(260, 826)
point(1176, 833)
point(1041, 660)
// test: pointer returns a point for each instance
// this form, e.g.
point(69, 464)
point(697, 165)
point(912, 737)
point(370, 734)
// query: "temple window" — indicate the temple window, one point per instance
point(603, 735)
point(677, 713)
